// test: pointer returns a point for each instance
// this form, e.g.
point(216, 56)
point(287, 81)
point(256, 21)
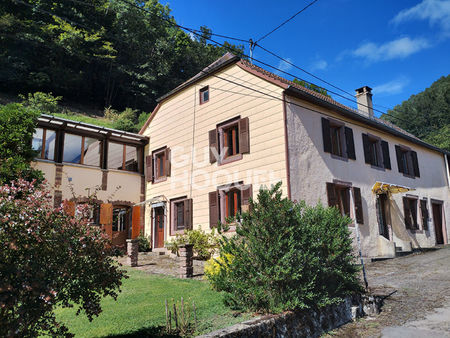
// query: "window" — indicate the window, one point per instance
point(122, 157)
point(44, 143)
point(339, 196)
point(407, 161)
point(410, 210)
point(338, 139)
point(376, 151)
point(228, 201)
point(158, 165)
point(120, 220)
point(181, 215)
point(229, 141)
point(204, 95)
point(424, 213)
point(81, 150)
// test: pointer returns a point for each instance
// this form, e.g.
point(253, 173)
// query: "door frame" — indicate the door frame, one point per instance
point(443, 224)
point(154, 232)
point(379, 210)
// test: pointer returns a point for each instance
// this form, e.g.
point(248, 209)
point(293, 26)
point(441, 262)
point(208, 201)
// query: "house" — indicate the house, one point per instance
point(84, 162)
point(235, 127)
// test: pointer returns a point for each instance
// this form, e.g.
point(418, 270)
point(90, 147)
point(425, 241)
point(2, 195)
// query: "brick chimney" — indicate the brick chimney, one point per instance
point(364, 100)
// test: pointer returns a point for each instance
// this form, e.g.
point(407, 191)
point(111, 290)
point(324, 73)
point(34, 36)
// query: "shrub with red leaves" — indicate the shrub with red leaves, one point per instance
point(47, 259)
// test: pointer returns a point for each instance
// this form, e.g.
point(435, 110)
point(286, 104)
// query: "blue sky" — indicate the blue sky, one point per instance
point(398, 48)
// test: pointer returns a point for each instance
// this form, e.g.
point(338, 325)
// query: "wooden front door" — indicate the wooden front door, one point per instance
point(437, 219)
point(159, 227)
point(383, 215)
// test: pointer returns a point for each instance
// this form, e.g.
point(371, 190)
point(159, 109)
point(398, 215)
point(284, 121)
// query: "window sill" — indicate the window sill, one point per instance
point(337, 157)
point(176, 232)
point(409, 176)
point(416, 231)
point(376, 167)
point(159, 180)
point(231, 159)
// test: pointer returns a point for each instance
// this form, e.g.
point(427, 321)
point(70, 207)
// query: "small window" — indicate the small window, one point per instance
point(181, 215)
point(44, 143)
point(81, 150)
point(407, 161)
point(230, 203)
point(336, 140)
point(121, 219)
point(204, 95)
point(410, 210)
point(123, 157)
point(229, 141)
point(159, 163)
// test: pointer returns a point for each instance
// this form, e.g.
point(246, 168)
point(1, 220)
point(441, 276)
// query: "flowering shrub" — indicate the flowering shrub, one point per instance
point(205, 244)
point(47, 259)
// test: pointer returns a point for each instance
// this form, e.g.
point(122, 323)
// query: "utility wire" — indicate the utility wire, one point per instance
point(285, 22)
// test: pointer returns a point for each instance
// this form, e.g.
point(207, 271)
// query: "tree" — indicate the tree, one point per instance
point(311, 86)
point(17, 124)
point(49, 258)
point(285, 256)
point(427, 114)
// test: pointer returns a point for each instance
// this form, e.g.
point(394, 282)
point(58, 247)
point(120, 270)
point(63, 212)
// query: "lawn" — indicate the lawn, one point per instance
point(140, 308)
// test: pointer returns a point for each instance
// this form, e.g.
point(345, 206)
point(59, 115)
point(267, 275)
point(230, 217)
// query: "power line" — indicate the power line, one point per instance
point(285, 22)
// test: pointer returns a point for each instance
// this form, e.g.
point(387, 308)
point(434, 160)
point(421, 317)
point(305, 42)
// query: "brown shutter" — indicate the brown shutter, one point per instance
point(135, 221)
point(213, 209)
point(106, 212)
point(358, 205)
point(188, 213)
point(398, 152)
point(386, 156)
point(350, 143)
point(326, 134)
point(213, 146)
point(69, 208)
point(167, 166)
point(244, 136)
point(415, 164)
point(149, 168)
point(331, 193)
point(247, 192)
point(407, 213)
point(424, 213)
point(366, 146)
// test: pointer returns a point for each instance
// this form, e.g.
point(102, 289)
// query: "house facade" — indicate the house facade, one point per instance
point(83, 162)
point(234, 127)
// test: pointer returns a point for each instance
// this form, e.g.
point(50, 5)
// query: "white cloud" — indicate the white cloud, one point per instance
point(284, 67)
point(393, 87)
point(436, 12)
point(395, 49)
point(319, 65)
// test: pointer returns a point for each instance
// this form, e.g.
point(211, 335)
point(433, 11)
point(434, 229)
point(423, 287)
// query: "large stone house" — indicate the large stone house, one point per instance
point(234, 127)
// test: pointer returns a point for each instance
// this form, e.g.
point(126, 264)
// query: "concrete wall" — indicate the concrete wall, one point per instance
point(310, 168)
point(183, 125)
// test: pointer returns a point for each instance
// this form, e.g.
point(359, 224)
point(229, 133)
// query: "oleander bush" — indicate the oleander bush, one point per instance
point(285, 256)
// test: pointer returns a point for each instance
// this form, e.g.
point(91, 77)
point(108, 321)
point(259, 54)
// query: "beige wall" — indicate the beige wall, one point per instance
point(311, 168)
point(121, 186)
point(183, 125)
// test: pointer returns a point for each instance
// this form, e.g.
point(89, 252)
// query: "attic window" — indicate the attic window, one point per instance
point(204, 95)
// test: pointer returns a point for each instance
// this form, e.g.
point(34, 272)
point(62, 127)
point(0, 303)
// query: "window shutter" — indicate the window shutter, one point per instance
point(398, 152)
point(244, 136)
point(213, 146)
point(366, 146)
point(350, 143)
point(386, 157)
point(331, 193)
point(213, 209)
point(424, 213)
point(188, 213)
point(135, 222)
point(69, 208)
point(415, 164)
point(358, 205)
point(407, 212)
point(167, 164)
point(106, 212)
point(246, 194)
point(149, 168)
point(326, 135)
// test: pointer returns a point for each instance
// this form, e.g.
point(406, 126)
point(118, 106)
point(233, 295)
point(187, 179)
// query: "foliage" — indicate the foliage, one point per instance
point(144, 243)
point(184, 316)
point(101, 53)
point(42, 102)
point(49, 259)
point(205, 244)
point(17, 124)
point(286, 256)
point(311, 86)
point(427, 114)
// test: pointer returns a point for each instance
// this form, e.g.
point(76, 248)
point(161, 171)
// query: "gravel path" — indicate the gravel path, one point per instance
point(419, 301)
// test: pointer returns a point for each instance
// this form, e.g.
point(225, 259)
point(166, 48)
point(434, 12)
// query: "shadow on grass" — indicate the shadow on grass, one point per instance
point(151, 331)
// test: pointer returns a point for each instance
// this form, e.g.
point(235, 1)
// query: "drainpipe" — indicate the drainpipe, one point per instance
point(358, 240)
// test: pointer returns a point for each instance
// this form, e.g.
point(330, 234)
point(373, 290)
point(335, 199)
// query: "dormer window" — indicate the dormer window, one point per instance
point(204, 95)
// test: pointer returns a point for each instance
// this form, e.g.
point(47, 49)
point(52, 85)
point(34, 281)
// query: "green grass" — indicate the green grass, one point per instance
point(98, 121)
point(140, 307)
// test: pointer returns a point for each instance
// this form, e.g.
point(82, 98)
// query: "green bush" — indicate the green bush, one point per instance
point(144, 243)
point(43, 102)
point(286, 256)
point(204, 244)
